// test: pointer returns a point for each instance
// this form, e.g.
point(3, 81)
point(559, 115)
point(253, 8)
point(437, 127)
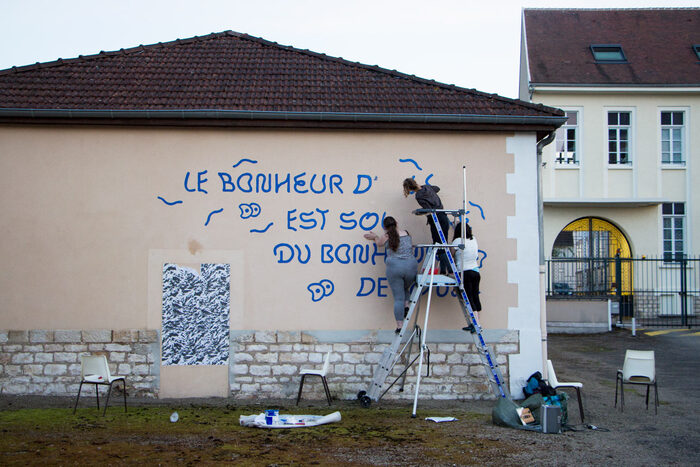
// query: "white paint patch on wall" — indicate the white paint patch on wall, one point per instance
point(524, 271)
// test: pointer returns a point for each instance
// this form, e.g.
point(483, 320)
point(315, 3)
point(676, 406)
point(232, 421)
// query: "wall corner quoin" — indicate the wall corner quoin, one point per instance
point(524, 270)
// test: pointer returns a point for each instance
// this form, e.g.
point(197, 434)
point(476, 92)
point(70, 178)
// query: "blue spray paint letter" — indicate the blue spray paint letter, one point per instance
point(363, 281)
point(299, 183)
point(226, 183)
point(335, 181)
point(201, 181)
point(187, 177)
point(308, 254)
point(290, 218)
point(376, 253)
point(326, 253)
point(260, 183)
point(279, 183)
point(249, 182)
point(281, 248)
point(307, 220)
point(351, 223)
point(323, 184)
point(382, 285)
point(358, 188)
point(372, 223)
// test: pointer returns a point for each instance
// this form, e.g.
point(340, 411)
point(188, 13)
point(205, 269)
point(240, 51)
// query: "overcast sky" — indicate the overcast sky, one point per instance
point(473, 44)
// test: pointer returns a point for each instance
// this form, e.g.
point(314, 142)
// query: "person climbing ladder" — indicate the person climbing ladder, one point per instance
point(427, 197)
point(399, 350)
point(401, 265)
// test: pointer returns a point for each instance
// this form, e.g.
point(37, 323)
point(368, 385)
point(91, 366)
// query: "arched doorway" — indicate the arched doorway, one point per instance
point(590, 257)
point(591, 237)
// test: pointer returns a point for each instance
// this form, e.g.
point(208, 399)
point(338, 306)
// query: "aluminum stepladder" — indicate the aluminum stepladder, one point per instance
point(427, 278)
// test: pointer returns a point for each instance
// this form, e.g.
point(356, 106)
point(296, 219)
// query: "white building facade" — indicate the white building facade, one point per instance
point(619, 177)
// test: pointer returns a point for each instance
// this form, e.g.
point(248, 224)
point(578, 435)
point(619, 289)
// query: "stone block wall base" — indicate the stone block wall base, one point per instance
point(266, 364)
point(47, 362)
point(262, 364)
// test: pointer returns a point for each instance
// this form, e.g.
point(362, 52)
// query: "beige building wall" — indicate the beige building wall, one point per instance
point(85, 234)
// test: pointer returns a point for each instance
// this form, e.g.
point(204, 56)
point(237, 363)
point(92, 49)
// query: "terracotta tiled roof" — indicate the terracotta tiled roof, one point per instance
point(658, 45)
point(232, 71)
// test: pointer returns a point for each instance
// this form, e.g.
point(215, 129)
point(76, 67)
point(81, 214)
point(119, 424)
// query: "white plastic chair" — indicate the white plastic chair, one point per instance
point(639, 368)
point(95, 370)
point(555, 383)
point(321, 373)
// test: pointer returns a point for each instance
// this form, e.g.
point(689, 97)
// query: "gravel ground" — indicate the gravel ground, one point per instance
point(636, 436)
point(633, 437)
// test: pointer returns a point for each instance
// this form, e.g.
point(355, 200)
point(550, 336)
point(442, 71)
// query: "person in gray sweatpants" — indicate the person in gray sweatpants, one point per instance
point(401, 265)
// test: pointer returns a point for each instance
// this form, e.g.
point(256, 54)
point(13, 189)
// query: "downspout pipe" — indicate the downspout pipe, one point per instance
point(540, 204)
point(540, 222)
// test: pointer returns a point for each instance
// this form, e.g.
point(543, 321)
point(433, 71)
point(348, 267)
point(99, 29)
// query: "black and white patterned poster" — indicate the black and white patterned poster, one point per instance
point(195, 325)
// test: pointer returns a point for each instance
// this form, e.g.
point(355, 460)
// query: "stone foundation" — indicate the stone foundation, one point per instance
point(48, 362)
point(267, 364)
point(262, 364)
point(647, 305)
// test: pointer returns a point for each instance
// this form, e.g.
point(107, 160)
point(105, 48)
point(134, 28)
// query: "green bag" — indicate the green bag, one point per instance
point(505, 413)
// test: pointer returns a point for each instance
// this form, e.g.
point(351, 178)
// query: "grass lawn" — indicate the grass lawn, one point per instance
point(206, 434)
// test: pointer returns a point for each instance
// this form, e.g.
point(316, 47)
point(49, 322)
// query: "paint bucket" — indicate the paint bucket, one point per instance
point(271, 416)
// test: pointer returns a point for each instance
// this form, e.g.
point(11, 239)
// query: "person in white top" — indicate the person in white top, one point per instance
point(467, 262)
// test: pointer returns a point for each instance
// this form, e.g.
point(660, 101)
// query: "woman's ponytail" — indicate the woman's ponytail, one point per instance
point(390, 227)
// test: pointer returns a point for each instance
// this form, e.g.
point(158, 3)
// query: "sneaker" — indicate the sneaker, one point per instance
point(469, 328)
point(398, 330)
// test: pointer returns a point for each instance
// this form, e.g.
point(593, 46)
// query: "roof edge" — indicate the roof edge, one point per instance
point(555, 121)
point(396, 73)
point(123, 51)
point(260, 40)
point(611, 9)
point(614, 85)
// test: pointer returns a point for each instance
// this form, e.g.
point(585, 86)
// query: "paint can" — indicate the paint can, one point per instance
point(271, 416)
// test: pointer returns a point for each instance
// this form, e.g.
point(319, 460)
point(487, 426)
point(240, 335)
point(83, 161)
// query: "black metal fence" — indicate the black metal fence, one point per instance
point(656, 291)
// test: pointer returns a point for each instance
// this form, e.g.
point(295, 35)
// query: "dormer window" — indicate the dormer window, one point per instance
point(696, 49)
point(608, 53)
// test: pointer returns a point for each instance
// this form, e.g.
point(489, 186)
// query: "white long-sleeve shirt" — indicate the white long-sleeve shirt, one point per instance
point(467, 259)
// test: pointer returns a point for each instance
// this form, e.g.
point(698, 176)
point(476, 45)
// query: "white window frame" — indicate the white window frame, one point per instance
point(578, 142)
point(631, 153)
point(673, 239)
point(684, 137)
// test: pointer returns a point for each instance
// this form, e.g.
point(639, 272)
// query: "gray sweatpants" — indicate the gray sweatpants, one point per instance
point(401, 274)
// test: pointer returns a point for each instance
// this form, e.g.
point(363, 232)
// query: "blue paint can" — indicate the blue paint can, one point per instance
point(271, 416)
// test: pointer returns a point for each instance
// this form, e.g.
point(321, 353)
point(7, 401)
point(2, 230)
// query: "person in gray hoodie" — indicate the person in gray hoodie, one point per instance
point(427, 197)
